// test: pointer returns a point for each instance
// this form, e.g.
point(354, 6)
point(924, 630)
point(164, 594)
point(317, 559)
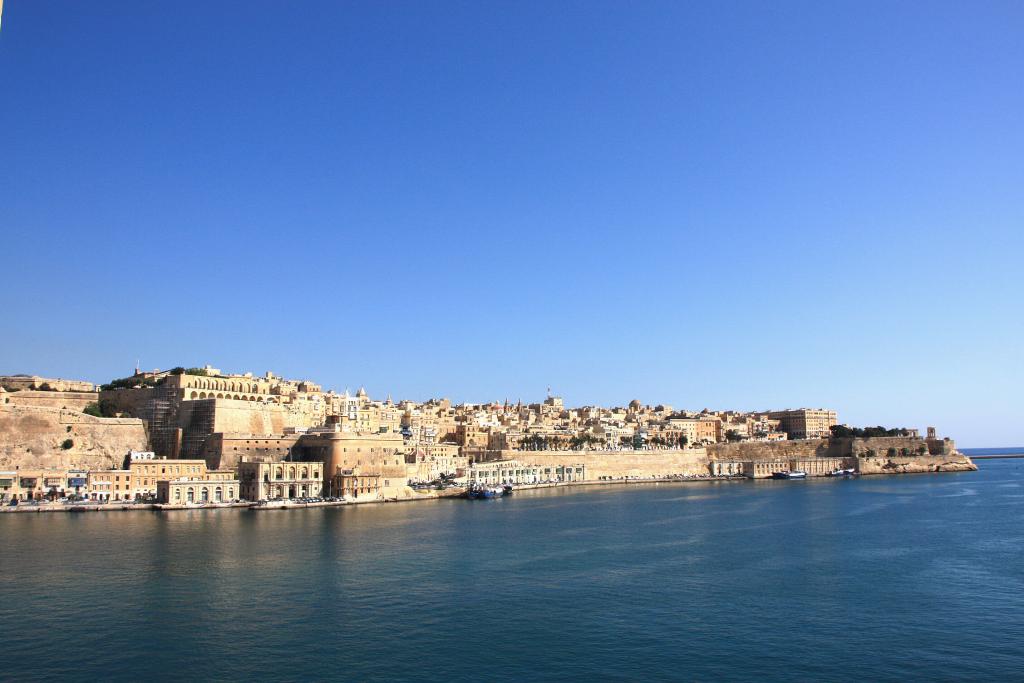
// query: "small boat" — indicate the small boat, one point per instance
point(507, 489)
point(849, 472)
point(480, 492)
point(795, 474)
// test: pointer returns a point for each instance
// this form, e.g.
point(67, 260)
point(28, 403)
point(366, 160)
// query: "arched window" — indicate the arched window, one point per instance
point(291, 473)
point(191, 496)
point(206, 494)
point(305, 473)
point(194, 395)
point(219, 495)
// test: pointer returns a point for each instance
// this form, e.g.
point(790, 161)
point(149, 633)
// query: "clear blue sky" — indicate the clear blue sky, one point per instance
point(725, 204)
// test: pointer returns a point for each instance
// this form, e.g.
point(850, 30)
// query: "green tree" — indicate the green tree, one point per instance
point(93, 409)
point(131, 383)
point(844, 431)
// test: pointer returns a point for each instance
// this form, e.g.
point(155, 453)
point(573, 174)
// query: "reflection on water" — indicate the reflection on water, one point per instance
point(769, 580)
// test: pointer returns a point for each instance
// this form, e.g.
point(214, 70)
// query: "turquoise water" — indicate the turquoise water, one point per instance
point(881, 578)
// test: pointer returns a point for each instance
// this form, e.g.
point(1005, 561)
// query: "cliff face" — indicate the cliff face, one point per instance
point(32, 437)
point(955, 462)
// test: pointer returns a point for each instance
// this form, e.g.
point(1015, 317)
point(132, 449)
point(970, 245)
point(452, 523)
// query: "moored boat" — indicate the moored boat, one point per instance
point(476, 492)
point(848, 472)
point(795, 474)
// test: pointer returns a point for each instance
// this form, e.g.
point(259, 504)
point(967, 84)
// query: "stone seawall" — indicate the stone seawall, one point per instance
point(940, 456)
point(887, 446)
point(916, 464)
point(32, 437)
point(620, 464)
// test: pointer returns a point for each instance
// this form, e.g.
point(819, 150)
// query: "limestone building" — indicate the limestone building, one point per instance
point(355, 485)
point(182, 410)
point(806, 423)
point(280, 480)
point(187, 491)
point(380, 454)
point(430, 462)
point(109, 485)
point(146, 472)
point(514, 472)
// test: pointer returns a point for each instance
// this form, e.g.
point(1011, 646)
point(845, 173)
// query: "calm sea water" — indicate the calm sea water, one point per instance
point(882, 578)
point(1015, 450)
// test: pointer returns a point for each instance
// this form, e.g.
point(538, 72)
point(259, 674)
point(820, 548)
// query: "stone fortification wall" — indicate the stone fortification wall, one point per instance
point(619, 464)
point(817, 456)
point(180, 428)
point(70, 400)
point(881, 445)
point(225, 451)
point(828, 448)
point(33, 382)
point(131, 402)
point(31, 437)
point(201, 419)
point(777, 450)
point(912, 465)
point(247, 417)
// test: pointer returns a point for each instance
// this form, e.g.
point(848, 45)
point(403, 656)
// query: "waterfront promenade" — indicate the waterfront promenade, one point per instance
point(33, 507)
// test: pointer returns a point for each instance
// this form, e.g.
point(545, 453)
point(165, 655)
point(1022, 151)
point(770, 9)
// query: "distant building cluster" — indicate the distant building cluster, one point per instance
point(217, 436)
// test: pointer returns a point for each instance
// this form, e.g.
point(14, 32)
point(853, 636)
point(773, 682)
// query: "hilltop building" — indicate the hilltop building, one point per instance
point(806, 423)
